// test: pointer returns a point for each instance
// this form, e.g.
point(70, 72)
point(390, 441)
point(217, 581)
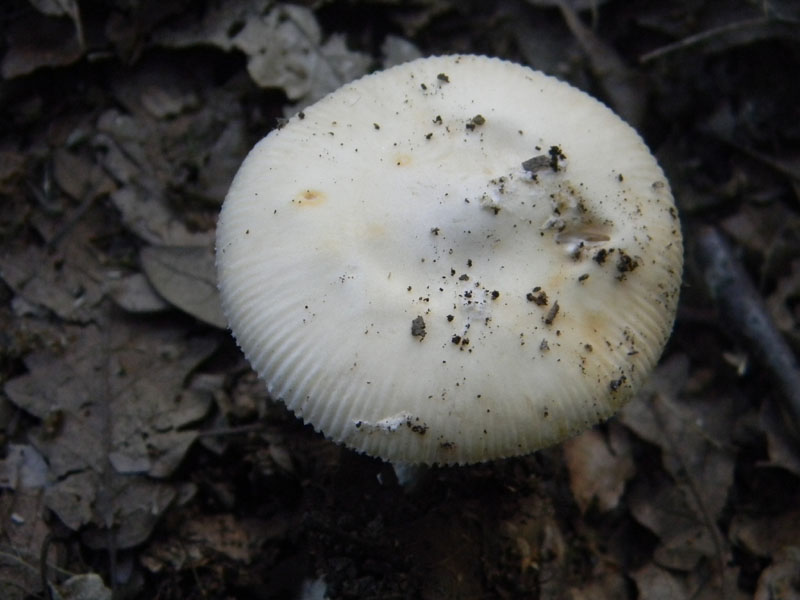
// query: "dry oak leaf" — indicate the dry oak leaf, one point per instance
point(116, 393)
point(598, 468)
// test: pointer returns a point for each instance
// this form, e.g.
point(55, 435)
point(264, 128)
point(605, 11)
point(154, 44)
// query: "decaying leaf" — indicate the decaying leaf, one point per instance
point(135, 294)
point(781, 580)
point(186, 277)
point(125, 510)
point(684, 504)
point(24, 533)
point(78, 177)
point(23, 468)
point(754, 227)
point(72, 498)
point(598, 468)
point(57, 41)
point(177, 135)
point(655, 582)
point(539, 543)
point(397, 50)
point(283, 45)
point(685, 536)
point(12, 168)
point(58, 8)
point(767, 535)
point(692, 433)
point(148, 217)
point(117, 391)
point(780, 302)
point(143, 173)
point(113, 404)
point(607, 583)
point(202, 539)
point(67, 279)
point(157, 90)
point(82, 587)
point(782, 447)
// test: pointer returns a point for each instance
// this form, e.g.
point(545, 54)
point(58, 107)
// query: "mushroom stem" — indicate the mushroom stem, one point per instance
point(409, 476)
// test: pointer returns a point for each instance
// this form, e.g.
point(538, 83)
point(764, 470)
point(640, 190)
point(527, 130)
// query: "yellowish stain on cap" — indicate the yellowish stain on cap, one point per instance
point(310, 198)
point(402, 160)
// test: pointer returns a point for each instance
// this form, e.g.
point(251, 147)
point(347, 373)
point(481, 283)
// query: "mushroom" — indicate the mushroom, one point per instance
point(453, 260)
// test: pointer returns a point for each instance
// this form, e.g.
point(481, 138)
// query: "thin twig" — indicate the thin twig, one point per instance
point(743, 309)
point(621, 84)
point(16, 558)
point(220, 431)
point(48, 593)
point(716, 33)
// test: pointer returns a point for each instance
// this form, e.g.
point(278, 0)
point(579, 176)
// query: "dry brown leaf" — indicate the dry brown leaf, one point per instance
point(782, 447)
point(125, 510)
point(69, 280)
point(132, 154)
point(58, 8)
point(218, 26)
point(754, 226)
point(156, 90)
point(781, 580)
point(692, 433)
point(110, 393)
point(221, 534)
point(684, 536)
point(82, 587)
point(179, 135)
point(535, 536)
point(780, 301)
point(12, 168)
point(73, 497)
point(78, 177)
point(221, 158)
point(397, 50)
point(655, 583)
point(205, 538)
point(766, 535)
point(597, 472)
point(149, 218)
point(22, 468)
point(187, 278)
point(113, 397)
point(135, 294)
point(707, 584)
point(605, 584)
point(23, 534)
point(57, 42)
point(283, 44)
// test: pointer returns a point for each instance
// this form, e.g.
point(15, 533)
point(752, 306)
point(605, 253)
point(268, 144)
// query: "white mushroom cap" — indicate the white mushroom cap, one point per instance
point(453, 260)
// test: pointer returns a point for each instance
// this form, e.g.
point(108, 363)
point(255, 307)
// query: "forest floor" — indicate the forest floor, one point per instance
point(140, 453)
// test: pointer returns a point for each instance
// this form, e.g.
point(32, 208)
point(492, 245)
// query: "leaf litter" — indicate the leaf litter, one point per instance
point(137, 444)
point(112, 404)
